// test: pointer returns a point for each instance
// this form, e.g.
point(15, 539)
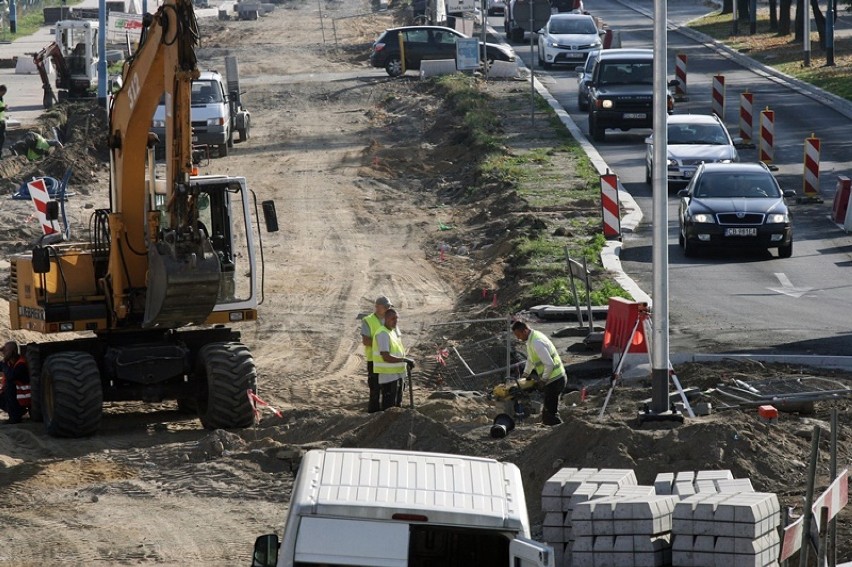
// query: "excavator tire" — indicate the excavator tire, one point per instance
point(223, 150)
point(225, 373)
point(72, 395)
point(34, 366)
point(245, 132)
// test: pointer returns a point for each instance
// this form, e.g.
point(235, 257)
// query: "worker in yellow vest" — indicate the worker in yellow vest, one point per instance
point(370, 325)
point(389, 360)
point(37, 146)
point(543, 358)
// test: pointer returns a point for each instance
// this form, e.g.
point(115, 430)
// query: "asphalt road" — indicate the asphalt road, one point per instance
point(735, 302)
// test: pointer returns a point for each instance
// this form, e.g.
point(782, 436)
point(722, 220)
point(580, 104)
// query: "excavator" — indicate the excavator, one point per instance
point(74, 54)
point(166, 269)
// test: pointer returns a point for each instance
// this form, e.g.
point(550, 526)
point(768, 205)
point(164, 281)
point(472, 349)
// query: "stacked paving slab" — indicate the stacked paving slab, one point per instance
point(602, 517)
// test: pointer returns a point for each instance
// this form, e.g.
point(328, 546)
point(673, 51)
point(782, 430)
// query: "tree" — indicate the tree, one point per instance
point(819, 22)
point(773, 15)
point(798, 31)
point(728, 6)
point(784, 17)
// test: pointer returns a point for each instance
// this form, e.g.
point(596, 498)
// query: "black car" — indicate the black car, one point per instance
point(735, 205)
point(621, 91)
point(424, 42)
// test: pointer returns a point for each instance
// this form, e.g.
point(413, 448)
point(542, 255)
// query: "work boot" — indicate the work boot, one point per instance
point(550, 419)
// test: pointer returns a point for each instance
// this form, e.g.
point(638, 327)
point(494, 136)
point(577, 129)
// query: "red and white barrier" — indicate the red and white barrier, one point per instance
point(766, 150)
point(810, 178)
point(834, 498)
point(718, 106)
point(840, 205)
point(257, 403)
point(40, 198)
point(621, 319)
point(609, 206)
point(746, 117)
point(680, 75)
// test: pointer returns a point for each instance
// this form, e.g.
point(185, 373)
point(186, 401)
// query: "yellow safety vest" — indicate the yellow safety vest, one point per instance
point(374, 323)
point(396, 349)
point(532, 355)
point(41, 144)
point(2, 110)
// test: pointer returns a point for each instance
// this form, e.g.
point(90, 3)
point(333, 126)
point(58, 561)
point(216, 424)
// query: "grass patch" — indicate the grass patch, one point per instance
point(783, 53)
point(29, 21)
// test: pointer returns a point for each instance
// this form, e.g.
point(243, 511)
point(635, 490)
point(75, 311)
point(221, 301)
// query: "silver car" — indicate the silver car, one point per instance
point(584, 72)
point(693, 139)
point(567, 38)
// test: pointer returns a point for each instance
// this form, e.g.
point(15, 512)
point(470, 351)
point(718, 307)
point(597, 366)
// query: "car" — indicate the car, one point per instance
point(567, 38)
point(425, 42)
point(734, 205)
point(692, 139)
point(621, 91)
point(584, 72)
point(496, 7)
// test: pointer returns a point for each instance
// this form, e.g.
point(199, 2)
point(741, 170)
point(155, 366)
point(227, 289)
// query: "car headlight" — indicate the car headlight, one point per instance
point(158, 124)
point(596, 45)
point(777, 218)
point(215, 121)
point(704, 218)
point(726, 161)
point(671, 162)
point(553, 44)
point(606, 103)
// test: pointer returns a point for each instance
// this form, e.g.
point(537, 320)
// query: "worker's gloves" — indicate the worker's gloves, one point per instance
point(409, 362)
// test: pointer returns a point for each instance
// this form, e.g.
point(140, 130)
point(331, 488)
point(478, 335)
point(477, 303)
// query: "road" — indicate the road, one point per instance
point(735, 302)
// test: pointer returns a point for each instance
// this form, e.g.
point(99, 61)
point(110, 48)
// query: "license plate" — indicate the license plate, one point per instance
point(740, 232)
point(634, 115)
point(574, 55)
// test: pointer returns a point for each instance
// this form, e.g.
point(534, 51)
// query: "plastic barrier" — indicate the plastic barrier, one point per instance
point(841, 199)
point(718, 103)
point(766, 150)
point(609, 206)
point(747, 117)
point(433, 67)
point(620, 321)
point(680, 75)
point(810, 178)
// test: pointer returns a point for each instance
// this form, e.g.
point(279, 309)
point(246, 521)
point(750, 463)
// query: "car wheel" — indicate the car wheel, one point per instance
point(785, 251)
point(394, 67)
point(689, 249)
point(223, 150)
point(582, 104)
point(546, 65)
point(518, 35)
point(680, 238)
point(598, 133)
point(648, 179)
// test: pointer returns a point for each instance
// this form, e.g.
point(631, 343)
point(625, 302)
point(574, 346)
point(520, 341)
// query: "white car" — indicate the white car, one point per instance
point(693, 139)
point(567, 38)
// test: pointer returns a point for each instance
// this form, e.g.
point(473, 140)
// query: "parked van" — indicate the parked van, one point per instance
point(384, 508)
point(212, 114)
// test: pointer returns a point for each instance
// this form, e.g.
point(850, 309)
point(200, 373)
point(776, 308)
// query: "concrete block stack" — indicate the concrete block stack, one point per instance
point(687, 483)
point(570, 487)
point(739, 528)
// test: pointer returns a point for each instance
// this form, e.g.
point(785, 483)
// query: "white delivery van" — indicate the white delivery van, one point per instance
point(383, 508)
point(210, 114)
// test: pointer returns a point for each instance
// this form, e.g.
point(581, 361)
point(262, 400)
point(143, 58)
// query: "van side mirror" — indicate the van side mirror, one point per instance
point(265, 551)
point(674, 83)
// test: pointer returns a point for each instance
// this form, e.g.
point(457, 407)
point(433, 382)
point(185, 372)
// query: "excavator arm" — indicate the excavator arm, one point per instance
point(162, 270)
point(63, 75)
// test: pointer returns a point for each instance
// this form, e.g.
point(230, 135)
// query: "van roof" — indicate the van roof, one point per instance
point(375, 484)
point(626, 53)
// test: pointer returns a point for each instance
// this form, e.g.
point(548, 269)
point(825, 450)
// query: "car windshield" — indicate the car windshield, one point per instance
point(704, 134)
point(736, 185)
point(205, 92)
point(632, 73)
point(573, 26)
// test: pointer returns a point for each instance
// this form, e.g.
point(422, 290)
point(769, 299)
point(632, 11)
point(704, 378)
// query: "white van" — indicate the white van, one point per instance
point(383, 508)
point(209, 113)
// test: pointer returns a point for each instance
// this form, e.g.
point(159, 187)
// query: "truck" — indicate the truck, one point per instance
point(525, 16)
point(352, 506)
point(216, 110)
point(151, 295)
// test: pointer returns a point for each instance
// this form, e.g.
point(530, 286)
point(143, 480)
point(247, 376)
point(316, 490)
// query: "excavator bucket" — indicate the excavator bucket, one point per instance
point(183, 283)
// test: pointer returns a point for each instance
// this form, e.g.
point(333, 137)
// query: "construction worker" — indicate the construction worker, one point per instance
point(543, 358)
point(37, 146)
point(370, 325)
point(389, 360)
point(15, 394)
point(2, 118)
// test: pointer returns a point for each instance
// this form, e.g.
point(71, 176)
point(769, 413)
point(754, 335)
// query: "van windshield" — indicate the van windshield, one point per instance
point(205, 92)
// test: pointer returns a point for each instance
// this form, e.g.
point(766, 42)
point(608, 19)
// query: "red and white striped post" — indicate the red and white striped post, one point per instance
point(810, 179)
point(680, 75)
point(747, 118)
point(718, 106)
point(766, 150)
point(40, 198)
point(609, 206)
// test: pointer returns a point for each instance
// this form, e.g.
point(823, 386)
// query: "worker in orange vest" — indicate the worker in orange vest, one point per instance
point(15, 394)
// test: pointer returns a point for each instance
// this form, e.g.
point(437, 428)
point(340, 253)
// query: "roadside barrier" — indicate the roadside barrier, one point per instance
point(840, 205)
point(766, 150)
point(609, 206)
point(680, 75)
point(621, 319)
point(810, 178)
point(834, 499)
point(718, 103)
point(40, 198)
point(747, 118)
